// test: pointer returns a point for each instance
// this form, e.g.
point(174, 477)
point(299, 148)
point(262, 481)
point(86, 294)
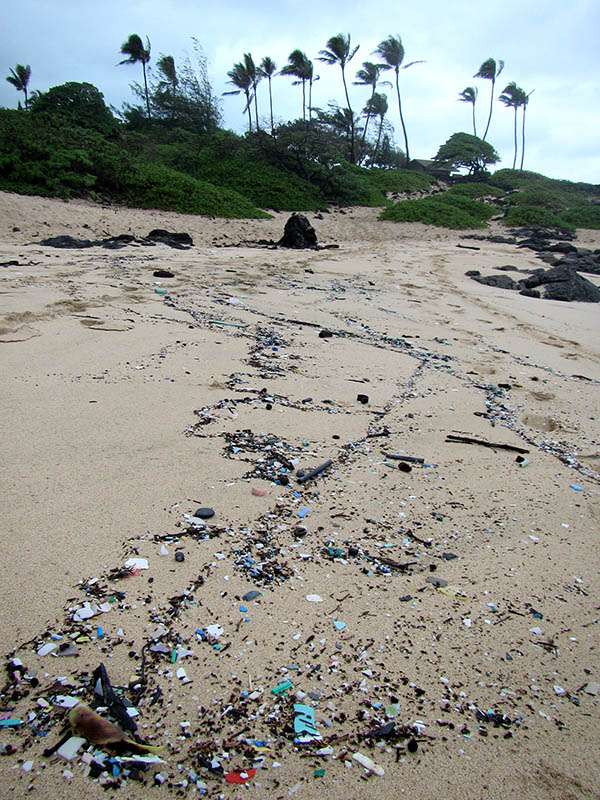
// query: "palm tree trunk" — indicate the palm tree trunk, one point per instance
point(515, 138)
point(271, 103)
point(474, 126)
point(378, 138)
point(364, 136)
point(26, 100)
point(407, 154)
point(303, 100)
point(256, 107)
point(248, 107)
point(487, 127)
point(146, 88)
point(351, 115)
point(523, 138)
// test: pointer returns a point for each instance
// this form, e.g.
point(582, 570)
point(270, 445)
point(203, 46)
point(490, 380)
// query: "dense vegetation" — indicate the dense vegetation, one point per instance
point(170, 152)
point(445, 210)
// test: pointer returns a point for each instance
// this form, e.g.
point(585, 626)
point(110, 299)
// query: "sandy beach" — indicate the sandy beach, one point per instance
point(458, 599)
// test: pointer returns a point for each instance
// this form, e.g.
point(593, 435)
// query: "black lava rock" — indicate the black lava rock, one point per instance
point(298, 234)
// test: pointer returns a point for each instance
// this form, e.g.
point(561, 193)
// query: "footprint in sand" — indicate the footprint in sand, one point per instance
point(95, 324)
point(19, 334)
point(541, 422)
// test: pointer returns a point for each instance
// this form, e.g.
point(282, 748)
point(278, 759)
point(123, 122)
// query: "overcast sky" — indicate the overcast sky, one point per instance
point(551, 46)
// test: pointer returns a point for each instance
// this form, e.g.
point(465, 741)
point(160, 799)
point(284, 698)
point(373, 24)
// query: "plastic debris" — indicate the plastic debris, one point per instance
point(240, 777)
point(339, 625)
point(305, 725)
point(282, 687)
point(368, 764)
point(137, 563)
point(576, 487)
point(252, 595)
point(314, 598)
point(70, 748)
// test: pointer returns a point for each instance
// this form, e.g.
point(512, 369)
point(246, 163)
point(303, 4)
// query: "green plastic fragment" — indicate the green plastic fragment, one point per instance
point(282, 687)
point(319, 773)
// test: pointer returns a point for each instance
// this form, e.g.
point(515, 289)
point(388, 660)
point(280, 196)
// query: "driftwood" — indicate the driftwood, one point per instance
point(451, 437)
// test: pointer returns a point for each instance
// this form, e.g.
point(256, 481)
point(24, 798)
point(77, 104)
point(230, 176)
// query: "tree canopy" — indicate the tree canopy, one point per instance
point(465, 151)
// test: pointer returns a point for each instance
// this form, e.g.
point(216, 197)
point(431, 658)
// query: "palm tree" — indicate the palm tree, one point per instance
point(368, 75)
point(469, 95)
point(299, 66)
point(513, 97)
point(136, 53)
point(490, 70)
point(391, 50)
point(311, 79)
point(525, 104)
point(255, 76)
point(377, 105)
point(19, 78)
point(240, 78)
point(166, 65)
point(267, 69)
point(338, 50)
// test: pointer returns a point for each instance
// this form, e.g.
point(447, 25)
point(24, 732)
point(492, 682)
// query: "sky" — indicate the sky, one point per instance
point(550, 46)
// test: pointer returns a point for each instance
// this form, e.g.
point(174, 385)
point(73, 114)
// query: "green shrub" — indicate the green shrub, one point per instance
point(476, 189)
point(518, 215)
point(398, 180)
point(473, 208)
point(157, 186)
point(437, 211)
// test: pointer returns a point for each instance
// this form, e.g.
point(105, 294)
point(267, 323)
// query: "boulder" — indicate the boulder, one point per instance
point(179, 241)
point(498, 281)
point(67, 242)
point(298, 234)
point(562, 283)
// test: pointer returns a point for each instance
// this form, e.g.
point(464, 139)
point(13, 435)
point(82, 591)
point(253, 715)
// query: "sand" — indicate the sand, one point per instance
point(103, 453)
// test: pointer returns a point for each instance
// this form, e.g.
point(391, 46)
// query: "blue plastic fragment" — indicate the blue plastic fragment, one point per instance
point(303, 512)
point(305, 725)
point(577, 487)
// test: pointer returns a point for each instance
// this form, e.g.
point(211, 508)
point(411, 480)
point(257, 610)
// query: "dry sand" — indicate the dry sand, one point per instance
point(100, 457)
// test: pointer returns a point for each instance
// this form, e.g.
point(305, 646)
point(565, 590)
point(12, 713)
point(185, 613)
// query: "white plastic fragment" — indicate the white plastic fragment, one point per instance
point(70, 748)
point(65, 701)
point(47, 648)
point(27, 766)
point(137, 563)
point(368, 764)
point(559, 691)
point(214, 631)
point(164, 551)
point(314, 598)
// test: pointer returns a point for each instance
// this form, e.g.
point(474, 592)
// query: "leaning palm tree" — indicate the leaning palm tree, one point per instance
point(255, 76)
point(136, 53)
point(524, 104)
point(490, 70)
point(166, 66)
point(513, 97)
point(368, 75)
point(339, 50)
point(239, 77)
point(377, 106)
point(19, 77)
point(469, 95)
point(299, 66)
point(267, 69)
point(391, 51)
